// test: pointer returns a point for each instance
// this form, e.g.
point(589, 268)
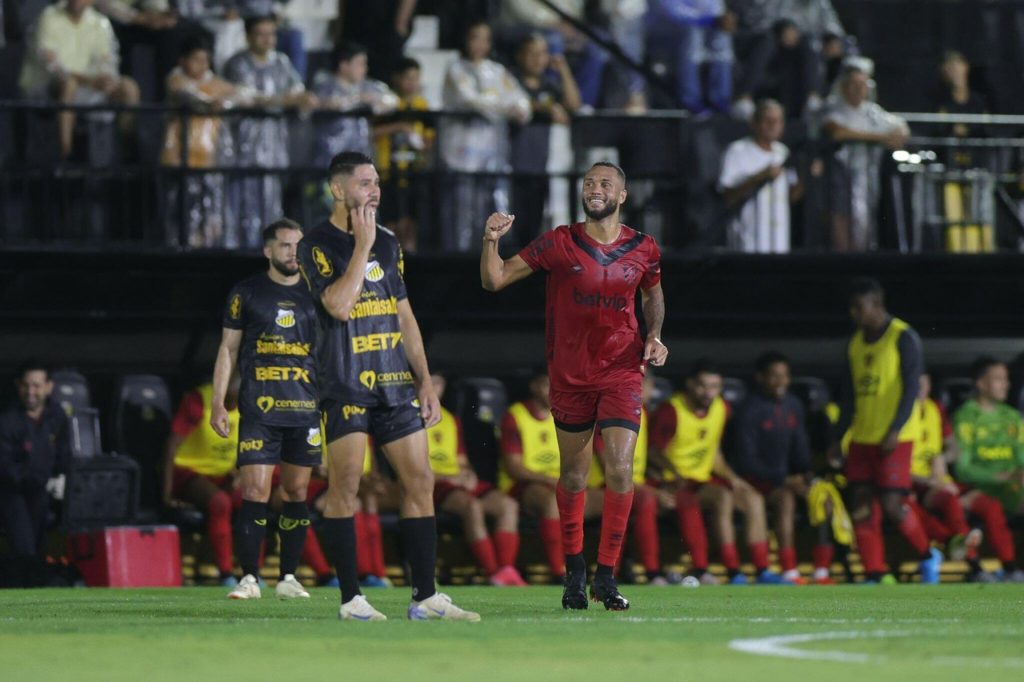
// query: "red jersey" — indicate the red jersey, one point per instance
point(593, 335)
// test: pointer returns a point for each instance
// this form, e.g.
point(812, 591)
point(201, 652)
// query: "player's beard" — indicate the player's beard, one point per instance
point(610, 208)
point(284, 269)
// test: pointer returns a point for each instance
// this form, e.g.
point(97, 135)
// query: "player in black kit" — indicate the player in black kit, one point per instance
point(374, 380)
point(269, 335)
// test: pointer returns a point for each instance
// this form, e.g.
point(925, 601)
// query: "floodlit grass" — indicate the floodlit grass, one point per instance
point(948, 632)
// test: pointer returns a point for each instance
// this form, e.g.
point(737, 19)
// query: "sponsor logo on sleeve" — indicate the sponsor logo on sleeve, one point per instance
point(236, 307)
point(323, 265)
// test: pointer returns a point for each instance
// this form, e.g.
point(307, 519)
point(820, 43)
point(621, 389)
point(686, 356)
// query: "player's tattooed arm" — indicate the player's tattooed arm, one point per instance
point(495, 273)
point(227, 361)
point(655, 351)
point(430, 406)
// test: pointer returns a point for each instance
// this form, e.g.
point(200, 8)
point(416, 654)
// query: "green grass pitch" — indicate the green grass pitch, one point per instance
point(913, 633)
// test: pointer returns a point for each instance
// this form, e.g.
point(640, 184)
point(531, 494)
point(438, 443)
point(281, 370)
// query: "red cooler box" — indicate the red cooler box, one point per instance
point(127, 556)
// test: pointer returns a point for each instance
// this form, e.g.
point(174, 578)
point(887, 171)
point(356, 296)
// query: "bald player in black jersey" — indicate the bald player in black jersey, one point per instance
point(374, 381)
point(269, 336)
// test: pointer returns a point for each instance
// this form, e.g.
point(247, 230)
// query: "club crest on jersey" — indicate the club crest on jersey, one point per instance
point(374, 272)
point(313, 437)
point(323, 266)
point(285, 318)
point(368, 378)
point(236, 307)
point(265, 403)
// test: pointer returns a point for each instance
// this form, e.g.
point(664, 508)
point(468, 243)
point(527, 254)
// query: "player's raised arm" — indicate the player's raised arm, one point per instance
point(227, 360)
point(495, 273)
point(339, 298)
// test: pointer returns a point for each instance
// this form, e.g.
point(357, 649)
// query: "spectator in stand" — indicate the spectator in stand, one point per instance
point(199, 469)
point(833, 53)
point(345, 88)
point(479, 144)
point(990, 438)
point(403, 148)
point(192, 84)
point(700, 31)
point(153, 24)
point(757, 186)
point(520, 18)
point(458, 491)
point(936, 497)
point(554, 97)
point(261, 143)
point(73, 58)
point(530, 465)
point(384, 25)
point(863, 131)
point(686, 438)
point(34, 457)
point(769, 449)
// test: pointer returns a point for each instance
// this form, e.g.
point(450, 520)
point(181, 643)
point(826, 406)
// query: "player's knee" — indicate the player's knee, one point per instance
point(419, 482)
point(619, 475)
point(294, 492)
point(255, 493)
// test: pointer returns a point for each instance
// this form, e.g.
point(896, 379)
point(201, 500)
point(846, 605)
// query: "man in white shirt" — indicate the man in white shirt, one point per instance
point(73, 58)
point(756, 186)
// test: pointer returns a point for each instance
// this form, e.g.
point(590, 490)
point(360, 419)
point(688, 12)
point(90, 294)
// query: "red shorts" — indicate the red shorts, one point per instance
point(182, 477)
point(691, 484)
point(766, 488)
point(578, 411)
point(442, 489)
point(865, 464)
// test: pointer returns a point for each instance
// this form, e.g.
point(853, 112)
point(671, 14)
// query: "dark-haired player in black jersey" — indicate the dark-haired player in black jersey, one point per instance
point(374, 380)
point(269, 335)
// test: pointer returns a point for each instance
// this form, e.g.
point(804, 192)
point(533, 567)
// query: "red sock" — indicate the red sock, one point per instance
point(218, 529)
point(506, 547)
point(996, 531)
point(313, 555)
point(570, 512)
point(614, 519)
point(375, 539)
point(759, 555)
point(870, 544)
point(787, 558)
point(691, 527)
point(951, 511)
point(822, 556)
point(912, 529)
point(645, 529)
point(730, 557)
point(551, 536)
point(364, 550)
point(483, 550)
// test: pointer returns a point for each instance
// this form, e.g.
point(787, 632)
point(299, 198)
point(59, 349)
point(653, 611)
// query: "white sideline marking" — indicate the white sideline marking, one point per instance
point(781, 646)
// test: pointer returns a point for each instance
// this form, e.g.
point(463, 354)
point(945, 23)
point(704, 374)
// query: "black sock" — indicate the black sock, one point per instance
point(292, 526)
point(419, 541)
point(339, 540)
point(604, 572)
point(733, 572)
point(252, 529)
point(575, 563)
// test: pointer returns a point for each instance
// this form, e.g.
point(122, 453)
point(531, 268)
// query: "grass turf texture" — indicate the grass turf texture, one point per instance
point(904, 632)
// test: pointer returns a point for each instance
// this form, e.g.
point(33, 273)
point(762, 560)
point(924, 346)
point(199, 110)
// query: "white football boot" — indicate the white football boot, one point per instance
point(440, 607)
point(247, 588)
point(358, 608)
point(290, 588)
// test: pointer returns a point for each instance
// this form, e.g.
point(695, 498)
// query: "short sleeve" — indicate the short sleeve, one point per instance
point(652, 273)
point(233, 310)
point(540, 253)
point(318, 267)
point(398, 276)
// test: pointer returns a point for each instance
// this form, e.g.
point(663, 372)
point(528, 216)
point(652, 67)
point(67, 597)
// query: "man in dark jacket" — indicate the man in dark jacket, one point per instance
point(34, 452)
point(770, 450)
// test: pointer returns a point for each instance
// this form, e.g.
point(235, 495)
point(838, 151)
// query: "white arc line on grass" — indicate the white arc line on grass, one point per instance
point(782, 646)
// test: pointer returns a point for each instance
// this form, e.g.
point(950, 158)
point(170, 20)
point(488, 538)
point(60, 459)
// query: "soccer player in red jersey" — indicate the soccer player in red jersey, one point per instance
point(596, 359)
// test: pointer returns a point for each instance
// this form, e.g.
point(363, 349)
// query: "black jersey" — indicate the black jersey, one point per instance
point(276, 357)
point(362, 361)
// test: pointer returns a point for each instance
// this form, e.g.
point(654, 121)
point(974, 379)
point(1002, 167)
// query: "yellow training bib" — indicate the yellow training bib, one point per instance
point(877, 384)
point(693, 448)
point(540, 445)
point(204, 451)
point(443, 445)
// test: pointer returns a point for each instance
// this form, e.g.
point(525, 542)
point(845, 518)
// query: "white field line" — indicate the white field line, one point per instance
point(781, 646)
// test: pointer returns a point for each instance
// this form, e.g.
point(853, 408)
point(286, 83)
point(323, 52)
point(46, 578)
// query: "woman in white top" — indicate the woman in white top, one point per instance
point(478, 144)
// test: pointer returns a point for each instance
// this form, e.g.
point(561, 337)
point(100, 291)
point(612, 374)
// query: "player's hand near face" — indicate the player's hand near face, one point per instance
point(497, 225)
point(364, 225)
point(655, 351)
point(219, 421)
point(430, 406)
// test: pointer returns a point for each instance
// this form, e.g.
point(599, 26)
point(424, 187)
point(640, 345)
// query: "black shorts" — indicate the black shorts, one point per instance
point(385, 423)
point(265, 444)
